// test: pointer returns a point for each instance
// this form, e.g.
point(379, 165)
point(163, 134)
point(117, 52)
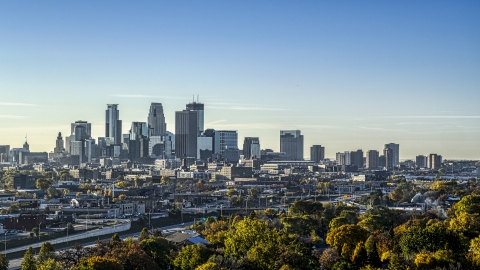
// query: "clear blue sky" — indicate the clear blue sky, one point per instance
point(349, 74)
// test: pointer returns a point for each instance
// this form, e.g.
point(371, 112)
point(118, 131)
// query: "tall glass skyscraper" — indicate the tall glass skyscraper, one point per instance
point(291, 143)
point(113, 125)
point(156, 120)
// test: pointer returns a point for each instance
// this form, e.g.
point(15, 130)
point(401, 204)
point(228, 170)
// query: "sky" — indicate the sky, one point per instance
point(349, 74)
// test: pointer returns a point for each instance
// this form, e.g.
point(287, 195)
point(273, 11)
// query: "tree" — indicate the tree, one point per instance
point(231, 192)
point(28, 262)
point(158, 248)
point(253, 192)
point(99, 263)
point(346, 236)
point(359, 256)
point(122, 197)
point(328, 258)
point(207, 266)
point(36, 230)
point(397, 195)
point(78, 194)
point(132, 257)
point(46, 252)
point(191, 257)
point(43, 184)
point(123, 184)
point(144, 234)
point(50, 264)
point(3, 262)
point(70, 228)
point(306, 208)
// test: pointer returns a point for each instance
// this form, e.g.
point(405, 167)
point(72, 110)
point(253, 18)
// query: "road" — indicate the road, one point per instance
point(15, 263)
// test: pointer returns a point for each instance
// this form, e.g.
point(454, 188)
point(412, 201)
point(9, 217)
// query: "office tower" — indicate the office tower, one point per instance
point(204, 148)
point(395, 152)
point(348, 158)
point(421, 161)
point(156, 120)
point(214, 137)
point(251, 147)
point(138, 141)
point(291, 143)
point(199, 108)
point(160, 146)
point(86, 131)
point(59, 150)
point(434, 161)
point(372, 159)
point(186, 129)
point(357, 158)
point(90, 150)
point(228, 145)
point(317, 153)
point(4, 153)
point(113, 124)
point(389, 158)
point(77, 152)
point(340, 158)
point(382, 162)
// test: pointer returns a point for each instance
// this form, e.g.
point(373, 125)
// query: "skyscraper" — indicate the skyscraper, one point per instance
point(395, 153)
point(199, 108)
point(434, 161)
point(357, 158)
point(87, 128)
point(113, 126)
point(389, 158)
point(421, 161)
point(251, 147)
point(317, 153)
point(4, 152)
point(138, 142)
point(372, 159)
point(59, 146)
point(156, 120)
point(340, 158)
point(291, 143)
point(228, 145)
point(186, 129)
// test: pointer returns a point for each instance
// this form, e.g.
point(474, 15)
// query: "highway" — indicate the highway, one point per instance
point(15, 263)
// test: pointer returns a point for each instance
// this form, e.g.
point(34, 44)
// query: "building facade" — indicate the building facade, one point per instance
point(156, 120)
point(372, 161)
point(186, 133)
point(317, 153)
point(251, 147)
point(291, 143)
point(113, 124)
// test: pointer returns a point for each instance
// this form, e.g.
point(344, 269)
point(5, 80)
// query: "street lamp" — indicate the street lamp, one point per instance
point(39, 230)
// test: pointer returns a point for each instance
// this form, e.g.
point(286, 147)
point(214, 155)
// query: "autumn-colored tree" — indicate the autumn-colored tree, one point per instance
point(191, 257)
point(207, 266)
point(346, 236)
point(46, 252)
point(424, 261)
point(328, 258)
point(99, 263)
point(43, 184)
point(132, 256)
point(28, 262)
point(3, 262)
point(50, 264)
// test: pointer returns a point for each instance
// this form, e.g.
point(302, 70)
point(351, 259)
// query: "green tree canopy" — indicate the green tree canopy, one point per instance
point(191, 257)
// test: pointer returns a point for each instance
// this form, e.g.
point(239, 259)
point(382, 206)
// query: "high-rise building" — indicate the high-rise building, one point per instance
point(186, 130)
point(4, 152)
point(434, 161)
point(395, 153)
point(160, 146)
point(199, 108)
point(340, 158)
point(357, 158)
point(228, 145)
point(156, 120)
point(389, 158)
point(372, 159)
point(251, 147)
point(348, 158)
point(421, 161)
point(59, 146)
point(113, 124)
point(86, 131)
point(291, 143)
point(138, 141)
point(317, 153)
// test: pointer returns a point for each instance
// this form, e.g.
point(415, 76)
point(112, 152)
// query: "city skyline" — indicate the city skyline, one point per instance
point(354, 76)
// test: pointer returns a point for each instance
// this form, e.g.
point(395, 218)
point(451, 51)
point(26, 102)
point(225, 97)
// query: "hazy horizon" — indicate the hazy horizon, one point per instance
point(351, 75)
